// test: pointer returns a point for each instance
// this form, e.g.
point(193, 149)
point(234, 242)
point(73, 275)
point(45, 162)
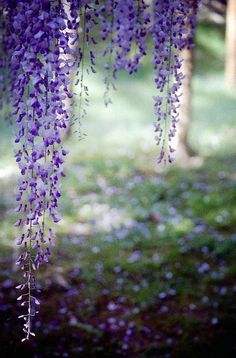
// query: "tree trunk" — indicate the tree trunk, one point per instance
point(230, 60)
point(183, 150)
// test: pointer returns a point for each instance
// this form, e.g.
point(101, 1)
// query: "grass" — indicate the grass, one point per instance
point(144, 264)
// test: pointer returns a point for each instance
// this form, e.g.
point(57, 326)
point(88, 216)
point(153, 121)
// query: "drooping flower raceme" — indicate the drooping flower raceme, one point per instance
point(42, 43)
point(38, 93)
point(124, 27)
point(172, 31)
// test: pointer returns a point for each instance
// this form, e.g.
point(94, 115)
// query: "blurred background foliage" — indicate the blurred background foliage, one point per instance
point(144, 264)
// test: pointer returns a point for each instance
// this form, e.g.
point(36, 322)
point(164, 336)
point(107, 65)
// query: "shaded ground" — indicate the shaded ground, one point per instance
point(149, 270)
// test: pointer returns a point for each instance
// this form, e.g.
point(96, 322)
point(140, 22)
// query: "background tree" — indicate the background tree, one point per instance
point(184, 150)
point(230, 59)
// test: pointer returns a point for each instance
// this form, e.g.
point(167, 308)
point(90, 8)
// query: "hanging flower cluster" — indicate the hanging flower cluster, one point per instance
point(41, 68)
point(127, 31)
point(42, 42)
point(86, 14)
point(172, 31)
point(124, 27)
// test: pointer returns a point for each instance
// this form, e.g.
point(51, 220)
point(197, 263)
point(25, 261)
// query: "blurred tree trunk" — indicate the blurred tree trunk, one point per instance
point(230, 60)
point(184, 152)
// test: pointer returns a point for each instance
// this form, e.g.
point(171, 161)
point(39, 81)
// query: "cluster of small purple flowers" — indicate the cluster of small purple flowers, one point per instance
point(128, 33)
point(124, 26)
point(86, 12)
point(42, 42)
point(40, 85)
point(172, 31)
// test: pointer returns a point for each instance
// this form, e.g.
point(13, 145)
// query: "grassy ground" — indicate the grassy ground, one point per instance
point(145, 259)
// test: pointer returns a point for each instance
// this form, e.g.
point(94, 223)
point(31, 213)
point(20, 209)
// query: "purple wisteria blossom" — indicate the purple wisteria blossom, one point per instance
point(41, 68)
point(124, 27)
point(172, 31)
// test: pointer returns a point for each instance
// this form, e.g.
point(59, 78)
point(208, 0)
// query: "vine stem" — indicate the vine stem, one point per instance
point(109, 77)
point(29, 284)
point(82, 16)
point(168, 87)
point(30, 260)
